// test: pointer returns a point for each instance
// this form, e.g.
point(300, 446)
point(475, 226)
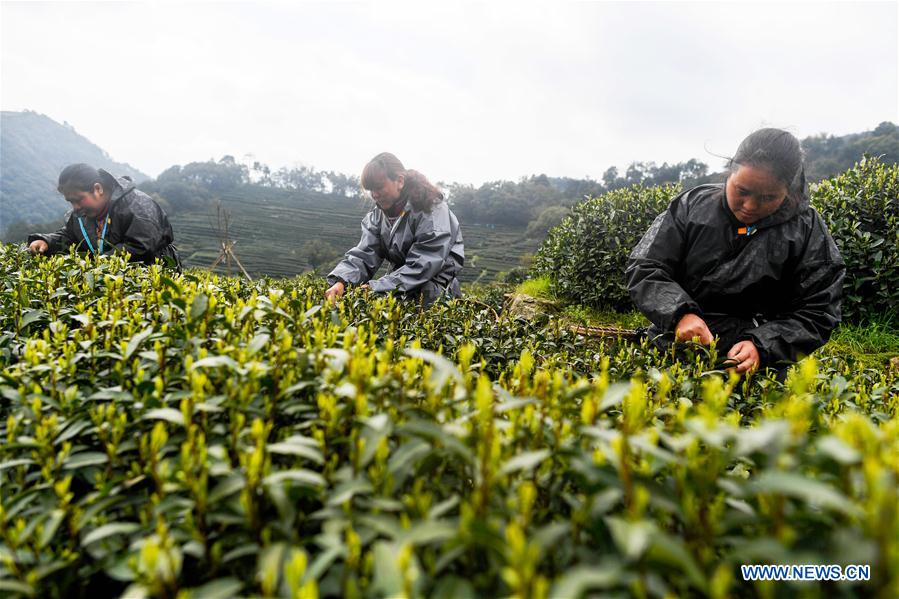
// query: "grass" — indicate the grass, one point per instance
point(594, 317)
point(877, 336)
point(540, 287)
point(870, 344)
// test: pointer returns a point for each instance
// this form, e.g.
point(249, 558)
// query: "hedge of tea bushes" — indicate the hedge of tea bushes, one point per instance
point(585, 256)
point(200, 436)
point(861, 209)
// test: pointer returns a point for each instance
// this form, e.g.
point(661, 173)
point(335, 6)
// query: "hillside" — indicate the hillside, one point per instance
point(273, 226)
point(33, 149)
point(827, 155)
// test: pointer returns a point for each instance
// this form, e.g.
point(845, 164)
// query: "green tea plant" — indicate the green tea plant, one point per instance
point(200, 436)
point(585, 256)
point(861, 208)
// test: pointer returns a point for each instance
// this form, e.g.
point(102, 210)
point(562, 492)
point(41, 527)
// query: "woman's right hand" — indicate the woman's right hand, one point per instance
point(335, 291)
point(692, 326)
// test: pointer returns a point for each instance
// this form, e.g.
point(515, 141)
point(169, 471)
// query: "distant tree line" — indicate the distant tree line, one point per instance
point(826, 155)
point(535, 201)
point(196, 184)
point(306, 178)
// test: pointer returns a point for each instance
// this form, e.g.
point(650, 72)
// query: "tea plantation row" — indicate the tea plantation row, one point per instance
point(199, 436)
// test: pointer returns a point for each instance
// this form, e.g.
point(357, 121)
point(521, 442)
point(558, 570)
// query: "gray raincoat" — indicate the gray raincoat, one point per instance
point(137, 224)
point(424, 251)
point(779, 286)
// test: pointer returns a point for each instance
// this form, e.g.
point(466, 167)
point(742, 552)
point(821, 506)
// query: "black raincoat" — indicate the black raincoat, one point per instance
point(779, 286)
point(137, 224)
point(424, 250)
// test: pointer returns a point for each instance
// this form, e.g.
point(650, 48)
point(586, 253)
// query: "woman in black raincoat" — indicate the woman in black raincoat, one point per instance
point(749, 261)
point(412, 228)
point(108, 214)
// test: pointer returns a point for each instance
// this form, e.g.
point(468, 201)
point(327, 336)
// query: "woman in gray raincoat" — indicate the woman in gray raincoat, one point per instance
point(749, 261)
point(412, 228)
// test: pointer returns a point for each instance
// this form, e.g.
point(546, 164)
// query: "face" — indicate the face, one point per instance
point(386, 192)
point(753, 193)
point(89, 204)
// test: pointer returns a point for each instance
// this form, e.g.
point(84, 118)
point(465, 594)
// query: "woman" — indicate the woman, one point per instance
point(108, 214)
point(412, 228)
point(749, 261)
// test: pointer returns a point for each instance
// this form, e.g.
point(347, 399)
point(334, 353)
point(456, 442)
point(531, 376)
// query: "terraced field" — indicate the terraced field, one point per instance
point(271, 227)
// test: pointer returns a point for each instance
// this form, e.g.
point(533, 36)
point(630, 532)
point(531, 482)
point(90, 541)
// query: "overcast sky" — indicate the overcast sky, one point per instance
point(463, 92)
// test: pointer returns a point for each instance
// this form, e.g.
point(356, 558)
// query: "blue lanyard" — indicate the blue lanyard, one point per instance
point(88, 239)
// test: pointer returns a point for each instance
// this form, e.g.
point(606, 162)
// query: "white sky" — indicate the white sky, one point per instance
point(463, 92)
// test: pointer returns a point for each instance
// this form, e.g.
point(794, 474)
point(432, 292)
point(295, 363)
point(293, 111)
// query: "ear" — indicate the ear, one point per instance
point(400, 180)
point(98, 189)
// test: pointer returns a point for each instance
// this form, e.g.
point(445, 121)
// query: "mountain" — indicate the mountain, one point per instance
point(33, 150)
point(827, 155)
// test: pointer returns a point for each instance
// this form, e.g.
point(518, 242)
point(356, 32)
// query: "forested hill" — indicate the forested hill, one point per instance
point(33, 150)
point(827, 155)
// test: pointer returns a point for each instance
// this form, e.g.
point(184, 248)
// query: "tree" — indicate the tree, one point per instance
point(549, 218)
point(318, 252)
point(610, 178)
point(693, 169)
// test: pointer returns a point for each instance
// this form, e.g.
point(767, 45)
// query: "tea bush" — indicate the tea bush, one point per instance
point(587, 253)
point(861, 209)
point(200, 436)
point(585, 256)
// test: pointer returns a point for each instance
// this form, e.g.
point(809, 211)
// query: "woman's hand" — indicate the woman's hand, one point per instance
point(38, 246)
point(746, 356)
point(335, 291)
point(692, 326)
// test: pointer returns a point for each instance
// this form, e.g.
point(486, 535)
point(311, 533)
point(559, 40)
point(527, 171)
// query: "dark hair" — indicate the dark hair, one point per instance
point(777, 151)
point(83, 177)
point(417, 190)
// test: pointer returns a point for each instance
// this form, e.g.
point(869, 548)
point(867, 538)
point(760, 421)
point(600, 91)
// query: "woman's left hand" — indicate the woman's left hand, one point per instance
point(746, 356)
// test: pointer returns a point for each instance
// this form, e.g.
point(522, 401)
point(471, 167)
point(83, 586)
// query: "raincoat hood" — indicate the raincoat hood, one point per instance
point(123, 185)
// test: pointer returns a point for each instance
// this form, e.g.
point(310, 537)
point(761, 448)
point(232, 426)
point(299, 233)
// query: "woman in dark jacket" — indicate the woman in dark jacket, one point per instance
point(750, 261)
point(108, 214)
point(411, 227)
